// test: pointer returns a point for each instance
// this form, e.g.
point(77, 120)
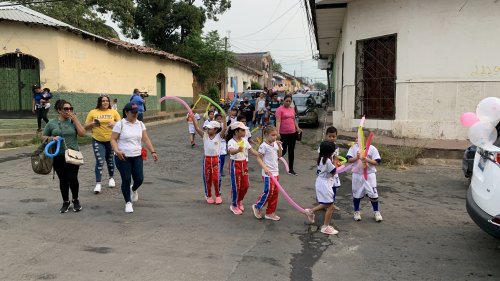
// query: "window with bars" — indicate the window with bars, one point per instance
point(376, 78)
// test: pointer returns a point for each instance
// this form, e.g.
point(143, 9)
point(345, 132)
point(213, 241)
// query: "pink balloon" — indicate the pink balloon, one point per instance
point(468, 119)
point(178, 100)
point(284, 163)
point(287, 197)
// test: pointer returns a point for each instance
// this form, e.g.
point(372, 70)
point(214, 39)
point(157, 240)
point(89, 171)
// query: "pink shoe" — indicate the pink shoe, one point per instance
point(256, 212)
point(235, 210)
point(210, 200)
point(272, 216)
point(240, 206)
point(328, 229)
point(218, 200)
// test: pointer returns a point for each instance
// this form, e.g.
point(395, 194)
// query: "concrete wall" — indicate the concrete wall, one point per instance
point(242, 78)
point(447, 60)
point(71, 65)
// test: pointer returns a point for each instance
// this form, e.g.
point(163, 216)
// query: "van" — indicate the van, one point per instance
point(483, 196)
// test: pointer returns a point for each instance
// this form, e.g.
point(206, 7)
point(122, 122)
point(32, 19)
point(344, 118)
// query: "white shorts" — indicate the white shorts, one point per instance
point(362, 187)
point(324, 190)
point(191, 129)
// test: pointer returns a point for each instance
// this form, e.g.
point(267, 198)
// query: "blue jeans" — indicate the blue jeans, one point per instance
point(272, 120)
point(249, 124)
point(140, 116)
point(103, 152)
point(259, 119)
point(131, 166)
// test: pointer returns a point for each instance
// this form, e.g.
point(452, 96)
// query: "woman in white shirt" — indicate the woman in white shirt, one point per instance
point(261, 110)
point(126, 141)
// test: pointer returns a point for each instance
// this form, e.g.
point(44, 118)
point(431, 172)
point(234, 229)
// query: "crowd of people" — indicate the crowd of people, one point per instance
point(122, 142)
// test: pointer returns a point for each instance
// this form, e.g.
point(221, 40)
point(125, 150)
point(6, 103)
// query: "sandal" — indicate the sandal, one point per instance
point(310, 215)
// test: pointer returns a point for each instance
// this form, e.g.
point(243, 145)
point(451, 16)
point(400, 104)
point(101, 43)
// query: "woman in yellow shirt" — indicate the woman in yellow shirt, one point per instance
point(101, 121)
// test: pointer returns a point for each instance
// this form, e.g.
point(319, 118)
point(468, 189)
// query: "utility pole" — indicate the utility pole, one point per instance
point(225, 64)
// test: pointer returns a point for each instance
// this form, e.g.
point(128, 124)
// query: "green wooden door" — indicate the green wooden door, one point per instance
point(18, 72)
point(161, 89)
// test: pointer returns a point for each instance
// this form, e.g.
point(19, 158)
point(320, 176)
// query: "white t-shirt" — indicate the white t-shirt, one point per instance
point(129, 141)
point(211, 146)
point(336, 179)
point(372, 154)
point(269, 154)
point(325, 170)
point(261, 105)
point(206, 123)
point(191, 125)
point(230, 120)
point(223, 147)
point(232, 144)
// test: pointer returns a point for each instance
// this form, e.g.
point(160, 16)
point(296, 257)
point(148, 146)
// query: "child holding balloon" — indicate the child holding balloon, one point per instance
point(212, 139)
point(270, 151)
point(361, 186)
point(223, 149)
point(324, 182)
point(192, 131)
point(331, 136)
point(238, 149)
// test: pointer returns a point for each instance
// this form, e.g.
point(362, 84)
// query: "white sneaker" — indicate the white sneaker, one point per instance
point(378, 216)
point(111, 182)
point(97, 188)
point(357, 216)
point(134, 196)
point(128, 208)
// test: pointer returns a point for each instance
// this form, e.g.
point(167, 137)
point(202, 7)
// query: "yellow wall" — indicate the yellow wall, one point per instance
point(70, 63)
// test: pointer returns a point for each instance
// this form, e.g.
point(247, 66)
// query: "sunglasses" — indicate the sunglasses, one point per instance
point(67, 108)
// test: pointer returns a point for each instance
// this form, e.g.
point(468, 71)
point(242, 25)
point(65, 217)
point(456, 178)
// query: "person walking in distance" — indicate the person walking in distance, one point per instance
point(39, 105)
point(288, 130)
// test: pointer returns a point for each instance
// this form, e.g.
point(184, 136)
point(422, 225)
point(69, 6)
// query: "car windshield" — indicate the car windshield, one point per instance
point(300, 101)
point(249, 95)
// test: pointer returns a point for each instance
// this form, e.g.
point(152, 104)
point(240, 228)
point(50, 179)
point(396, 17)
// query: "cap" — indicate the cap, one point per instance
point(36, 86)
point(238, 125)
point(327, 148)
point(213, 125)
point(131, 107)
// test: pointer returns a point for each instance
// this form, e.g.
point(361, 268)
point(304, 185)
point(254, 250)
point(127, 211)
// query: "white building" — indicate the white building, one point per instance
point(241, 75)
point(412, 67)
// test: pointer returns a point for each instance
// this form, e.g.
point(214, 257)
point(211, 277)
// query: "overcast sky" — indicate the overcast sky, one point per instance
point(278, 26)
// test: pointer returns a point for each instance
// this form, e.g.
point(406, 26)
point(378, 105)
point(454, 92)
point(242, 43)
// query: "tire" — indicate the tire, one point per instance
point(316, 125)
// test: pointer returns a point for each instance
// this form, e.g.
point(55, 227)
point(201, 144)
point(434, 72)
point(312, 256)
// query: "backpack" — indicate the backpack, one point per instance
point(41, 163)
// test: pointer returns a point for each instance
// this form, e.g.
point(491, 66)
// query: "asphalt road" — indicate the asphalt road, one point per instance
point(174, 235)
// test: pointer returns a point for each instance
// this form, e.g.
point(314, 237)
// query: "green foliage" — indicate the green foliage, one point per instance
point(86, 15)
point(277, 67)
point(256, 86)
point(209, 53)
point(320, 86)
point(214, 93)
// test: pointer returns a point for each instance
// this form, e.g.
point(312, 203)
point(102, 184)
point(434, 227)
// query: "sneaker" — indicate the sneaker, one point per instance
point(256, 212)
point(76, 205)
point(210, 200)
point(328, 229)
point(193, 144)
point(97, 188)
point(378, 216)
point(128, 208)
point(310, 215)
point(218, 200)
point(292, 172)
point(272, 216)
point(64, 208)
point(38, 130)
point(357, 216)
point(336, 208)
point(235, 210)
point(111, 182)
point(240, 206)
point(134, 195)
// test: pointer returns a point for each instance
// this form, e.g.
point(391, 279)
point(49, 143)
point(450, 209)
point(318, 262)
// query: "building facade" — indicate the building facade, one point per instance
point(78, 66)
point(261, 61)
point(240, 77)
point(411, 67)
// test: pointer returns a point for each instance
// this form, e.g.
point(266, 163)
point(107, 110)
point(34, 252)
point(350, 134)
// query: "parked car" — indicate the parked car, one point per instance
point(306, 109)
point(483, 196)
point(319, 97)
point(251, 94)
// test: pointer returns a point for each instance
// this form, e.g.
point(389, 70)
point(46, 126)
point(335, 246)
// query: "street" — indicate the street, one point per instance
point(174, 235)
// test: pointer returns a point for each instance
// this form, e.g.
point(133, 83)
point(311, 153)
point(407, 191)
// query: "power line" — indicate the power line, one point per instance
point(281, 30)
point(268, 39)
point(269, 24)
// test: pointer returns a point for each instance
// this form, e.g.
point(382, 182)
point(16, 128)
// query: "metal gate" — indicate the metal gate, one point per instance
point(376, 78)
point(18, 72)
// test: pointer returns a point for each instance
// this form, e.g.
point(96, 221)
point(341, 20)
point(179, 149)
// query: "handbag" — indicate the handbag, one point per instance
point(71, 156)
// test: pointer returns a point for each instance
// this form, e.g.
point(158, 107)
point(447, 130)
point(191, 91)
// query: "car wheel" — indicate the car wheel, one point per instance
point(316, 124)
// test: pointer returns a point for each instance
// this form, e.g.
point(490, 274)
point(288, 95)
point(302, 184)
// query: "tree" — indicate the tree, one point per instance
point(320, 86)
point(277, 67)
point(86, 15)
point(166, 24)
point(255, 86)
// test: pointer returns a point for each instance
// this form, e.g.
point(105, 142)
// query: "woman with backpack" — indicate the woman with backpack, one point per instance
point(67, 126)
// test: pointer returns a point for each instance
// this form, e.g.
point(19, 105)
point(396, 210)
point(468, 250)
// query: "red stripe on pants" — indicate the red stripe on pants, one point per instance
point(272, 197)
point(212, 175)
point(241, 179)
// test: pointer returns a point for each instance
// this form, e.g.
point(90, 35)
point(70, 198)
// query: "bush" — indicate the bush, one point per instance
point(398, 156)
point(214, 93)
point(256, 86)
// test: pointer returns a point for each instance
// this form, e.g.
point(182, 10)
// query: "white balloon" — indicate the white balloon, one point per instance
point(488, 110)
point(482, 134)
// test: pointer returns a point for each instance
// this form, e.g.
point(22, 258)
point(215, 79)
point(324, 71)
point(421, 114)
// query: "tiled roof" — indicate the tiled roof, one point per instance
point(20, 13)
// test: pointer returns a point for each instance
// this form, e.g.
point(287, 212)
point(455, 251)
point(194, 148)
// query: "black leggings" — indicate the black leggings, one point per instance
point(41, 113)
point(289, 144)
point(68, 177)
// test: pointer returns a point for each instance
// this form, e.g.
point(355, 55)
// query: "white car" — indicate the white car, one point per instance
point(483, 196)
